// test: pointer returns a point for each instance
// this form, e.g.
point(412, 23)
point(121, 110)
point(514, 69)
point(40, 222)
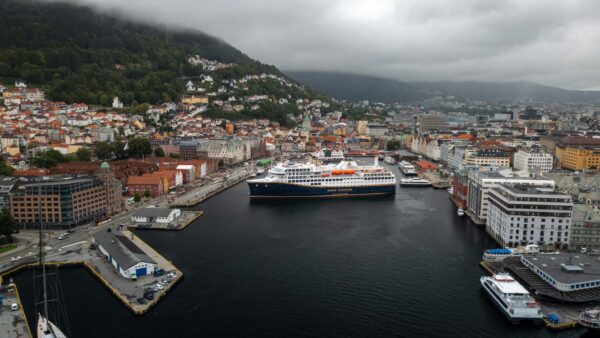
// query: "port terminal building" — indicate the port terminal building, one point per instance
point(564, 277)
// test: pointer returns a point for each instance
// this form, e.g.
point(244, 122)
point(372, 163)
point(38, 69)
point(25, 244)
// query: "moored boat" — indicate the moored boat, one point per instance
point(407, 169)
point(590, 318)
point(460, 212)
point(511, 298)
point(414, 182)
point(308, 180)
point(497, 255)
point(389, 160)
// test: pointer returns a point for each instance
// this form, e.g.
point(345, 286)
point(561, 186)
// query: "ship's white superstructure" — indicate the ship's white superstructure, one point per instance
point(511, 298)
point(414, 182)
point(407, 168)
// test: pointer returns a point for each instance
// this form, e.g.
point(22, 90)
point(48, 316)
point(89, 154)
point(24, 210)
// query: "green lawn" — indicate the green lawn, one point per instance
point(7, 247)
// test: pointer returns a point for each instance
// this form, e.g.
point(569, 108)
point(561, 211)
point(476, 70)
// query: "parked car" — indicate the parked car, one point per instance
point(141, 301)
point(63, 236)
point(149, 295)
point(15, 258)
point(159, 272)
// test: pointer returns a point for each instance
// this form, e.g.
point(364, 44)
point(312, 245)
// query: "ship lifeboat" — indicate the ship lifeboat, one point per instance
point(325, 175)
point(349, 171)
point(337, 172)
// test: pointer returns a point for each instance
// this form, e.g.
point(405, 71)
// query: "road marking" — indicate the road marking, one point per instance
point(66, 246)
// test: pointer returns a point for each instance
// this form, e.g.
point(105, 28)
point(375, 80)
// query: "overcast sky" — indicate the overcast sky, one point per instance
point(549, 42)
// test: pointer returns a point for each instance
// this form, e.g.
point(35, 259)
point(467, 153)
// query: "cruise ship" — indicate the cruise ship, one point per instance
point(346, 178)
point(407, 168)
point(511, 298)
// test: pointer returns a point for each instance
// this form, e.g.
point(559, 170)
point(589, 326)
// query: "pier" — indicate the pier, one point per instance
point(567, 313)
point(186, 203)
point(13, 323)
point(186, 218)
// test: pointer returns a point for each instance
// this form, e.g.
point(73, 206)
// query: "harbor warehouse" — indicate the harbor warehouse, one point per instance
point(155, 215)
point(129, 260)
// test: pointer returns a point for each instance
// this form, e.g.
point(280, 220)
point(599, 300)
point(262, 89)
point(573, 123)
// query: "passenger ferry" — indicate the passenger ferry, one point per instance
point(389, 160)
point(308, 180)
point(511, 298)
point(414, 182)
point(498, 255)
point(590, 318)
point(407, 168)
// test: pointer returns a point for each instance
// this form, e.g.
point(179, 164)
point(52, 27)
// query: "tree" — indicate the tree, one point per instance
point(120, 152)
point(8, 225)
point(83, 154)
point(103, 151)
point(139, 147)
point(5, 169)
point(159, 152)
point(48, 159)
point(147, 193)
point(136, 197)
point(221, 163)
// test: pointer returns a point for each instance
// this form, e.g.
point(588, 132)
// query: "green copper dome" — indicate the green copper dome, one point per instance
point(104, 165)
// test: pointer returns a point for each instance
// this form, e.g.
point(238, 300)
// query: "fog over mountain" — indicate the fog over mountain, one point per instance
point(548, 42)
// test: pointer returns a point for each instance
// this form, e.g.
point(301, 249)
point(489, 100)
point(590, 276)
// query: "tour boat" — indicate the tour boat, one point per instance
point(389, 160)
point(498, 255)
point(346, 178)
point(414, 182)
point(511, 298)
point(407, 169)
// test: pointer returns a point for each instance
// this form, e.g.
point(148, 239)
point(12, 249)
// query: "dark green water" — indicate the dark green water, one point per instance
point(398, 266)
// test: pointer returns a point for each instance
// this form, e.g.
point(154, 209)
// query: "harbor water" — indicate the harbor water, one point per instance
point(403, 265)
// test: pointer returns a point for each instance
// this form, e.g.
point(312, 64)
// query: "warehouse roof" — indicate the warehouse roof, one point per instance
point(121, 249)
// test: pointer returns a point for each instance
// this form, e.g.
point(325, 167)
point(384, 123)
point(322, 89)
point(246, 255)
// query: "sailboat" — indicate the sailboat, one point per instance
point(45, 328)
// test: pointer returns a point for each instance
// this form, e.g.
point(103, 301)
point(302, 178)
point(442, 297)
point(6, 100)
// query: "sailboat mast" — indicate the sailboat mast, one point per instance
point(41, 247)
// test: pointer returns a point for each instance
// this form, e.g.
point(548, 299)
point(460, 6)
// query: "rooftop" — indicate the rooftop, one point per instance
point(554, 266)
point(152, 212)
point(122, 249)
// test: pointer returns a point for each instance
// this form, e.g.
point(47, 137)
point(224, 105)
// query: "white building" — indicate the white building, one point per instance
point(117, 104)
point(528, 160)
point(488, 157)
point(521, 214)
point(480, 183)
point(155, 215)
point(116, 247)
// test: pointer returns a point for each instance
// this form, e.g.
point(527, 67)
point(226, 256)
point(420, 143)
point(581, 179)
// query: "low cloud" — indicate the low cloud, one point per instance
point(549, 42)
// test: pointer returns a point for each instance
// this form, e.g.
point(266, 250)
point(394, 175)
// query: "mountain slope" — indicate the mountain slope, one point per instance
point(507, 90)
point(77, 54)
point(357, 87)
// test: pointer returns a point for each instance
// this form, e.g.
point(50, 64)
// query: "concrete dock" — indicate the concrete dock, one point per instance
point(186, 218)
point(202, 196)
point(13, 323)
point(128, 291)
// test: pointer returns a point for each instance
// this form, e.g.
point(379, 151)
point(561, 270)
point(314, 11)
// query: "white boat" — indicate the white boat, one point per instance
point(511, 298)
point(389, 160)
point(407, 168)
point(309, 180)
point(498, 255)
point(414, 182)
point(46, 329)
point(450, 190)
point(460, 212)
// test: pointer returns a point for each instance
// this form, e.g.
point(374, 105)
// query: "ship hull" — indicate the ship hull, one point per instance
point(283, 190)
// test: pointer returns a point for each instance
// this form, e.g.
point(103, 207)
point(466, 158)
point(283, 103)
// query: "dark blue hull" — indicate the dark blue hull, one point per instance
point(294, 190)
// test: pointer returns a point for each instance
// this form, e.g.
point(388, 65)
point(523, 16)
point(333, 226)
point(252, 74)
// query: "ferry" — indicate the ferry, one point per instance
point(346, 178)
point(414, 182)
point(389, 160)
point(498, 255)
point(511, 298)
point(407, 168)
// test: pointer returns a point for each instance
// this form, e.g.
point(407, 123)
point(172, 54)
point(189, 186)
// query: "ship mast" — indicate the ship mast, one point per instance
point(41, 254)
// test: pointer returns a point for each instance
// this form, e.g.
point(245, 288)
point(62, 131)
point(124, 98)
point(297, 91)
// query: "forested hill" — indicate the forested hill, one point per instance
point(79, 55)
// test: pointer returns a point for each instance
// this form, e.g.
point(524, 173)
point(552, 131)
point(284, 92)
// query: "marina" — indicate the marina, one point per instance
point(265, 237)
